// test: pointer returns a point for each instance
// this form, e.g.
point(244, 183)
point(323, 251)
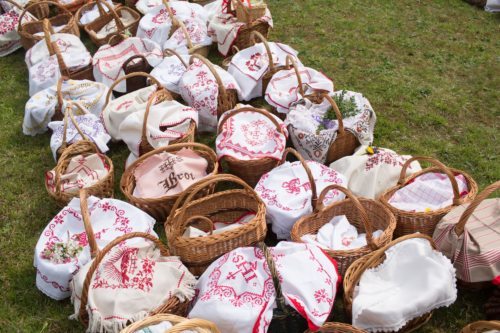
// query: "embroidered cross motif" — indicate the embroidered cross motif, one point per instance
point(247, 269)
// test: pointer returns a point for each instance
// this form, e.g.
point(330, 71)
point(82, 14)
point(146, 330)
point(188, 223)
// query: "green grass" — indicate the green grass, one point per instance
point(430, 69)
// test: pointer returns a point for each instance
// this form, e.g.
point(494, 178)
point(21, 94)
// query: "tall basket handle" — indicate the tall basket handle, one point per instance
point(48, 31)
point(111, 39)
point(162, 95)
point(205, 220)
point(182, 26)
point(169, 10)
point(188, 195)
point(460, 226)
point(84, 208)
point(60, 61)
point(128, 76)
point(359, 207)
point(263, 112)
point(68, 112)
point(337, 113)
point(100, 256)
point(290, 62)
point(222, 89)
point(38, 3)
point(314, 196)
point(119, 24)
point(263, 40)
point(443, 168)
point(171, 52)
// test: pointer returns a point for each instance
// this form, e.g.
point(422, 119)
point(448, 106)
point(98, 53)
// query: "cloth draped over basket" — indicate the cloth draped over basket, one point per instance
point(286, 190)
point(413, 280)
point(192, 33)
point(110, 218)
point(369, 175)
point(312, 141)
point(240, 285)
point(108, 60)
point(170, 70)
point(9, 19)
point(91, 11)
point(470, 235)
point(49, 103)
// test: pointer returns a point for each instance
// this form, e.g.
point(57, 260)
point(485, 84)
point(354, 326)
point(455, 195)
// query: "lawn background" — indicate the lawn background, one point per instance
point(430, 69)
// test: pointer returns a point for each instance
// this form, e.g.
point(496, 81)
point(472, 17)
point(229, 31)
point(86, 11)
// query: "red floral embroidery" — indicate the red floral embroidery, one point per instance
point(384, 157)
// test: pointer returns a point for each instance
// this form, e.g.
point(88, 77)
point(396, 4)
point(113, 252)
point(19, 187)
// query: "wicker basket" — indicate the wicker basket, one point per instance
point(198, 253)
point(84, 73)
point(160, 208)
point(159, 96)
point(356, 270)
point(89, 6)
point(425, 222)
point(481, 326)
point(106, 17)
point(28, 30)
point(227, 98)
point(171, 305)
point(199, 49)
point(337, 328)
point(244, 38)
point(227, 60)
point(104, 188)
point(250, 170)
point(251, 13)
point(132, 80)
point(40, 11)
point(179, 324)
point(365, 214)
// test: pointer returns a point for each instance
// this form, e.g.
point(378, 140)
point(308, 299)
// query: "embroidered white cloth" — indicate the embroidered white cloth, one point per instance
point(224, 29)
point(132, 280)
point(117, 110)
point(283, 89)
point(93, 13)
point(170, 71)
point(248, 66)
point(339, 234)
point(9, 19)
point(286, 191)
point(492, 6)
point(430, 191)
point(167, 174)
point(219, 227)
point(110, 218)
point(82, 172)
point(475, 253)
point(40, 108)
point(197, 31)
point(167, 121)
point(160, 327)
point(369, 175)
point(251, 136)
point(90, 125)
point(305, 117)
point(108, 60)
point(413, 280)
point(125, 17)
point(200, 90)
point(239, 285)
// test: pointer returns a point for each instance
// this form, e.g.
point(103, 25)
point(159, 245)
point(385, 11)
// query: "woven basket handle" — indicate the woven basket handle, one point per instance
point(161, 94)
point(263, 112)
point(205, 220)
point(481, 326)
point(443, 168)
point(128, 76)
point(100, 256)
point(39, 3)
point(119, 25)
point(60, 61)
point(102, 12)
point(127, 62)
point(314, 196)
point(188, 195)
point(237, 3)
point(263, 40)
point(195, 324)
point(234, 49)
point(60, 97)
point(290, 61)
point(359, 207)
point(222, 89)
point(169, 10)
point(182, 26)
point(119, 38)
point(280, 300)
point(48, 30)
point(84, 208)
point(170, 52)
point(337, 113)
point(69, 113)
point(459, 227)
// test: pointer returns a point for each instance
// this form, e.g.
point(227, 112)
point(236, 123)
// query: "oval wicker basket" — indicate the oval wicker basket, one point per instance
point(249, 170)
point(160, 96)
point(28, 30)
point(160, 208)
point(244, 38)
point(365, 214)
point(333, 327)
point(371, 260)
point(482, 326)
point(105, 17)
point(224, 206)
point(179, 324)
point(227, 98)
point(425, 222)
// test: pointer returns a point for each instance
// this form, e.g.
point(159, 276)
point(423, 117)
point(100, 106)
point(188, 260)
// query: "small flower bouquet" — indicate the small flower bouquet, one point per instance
point(62, 252)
